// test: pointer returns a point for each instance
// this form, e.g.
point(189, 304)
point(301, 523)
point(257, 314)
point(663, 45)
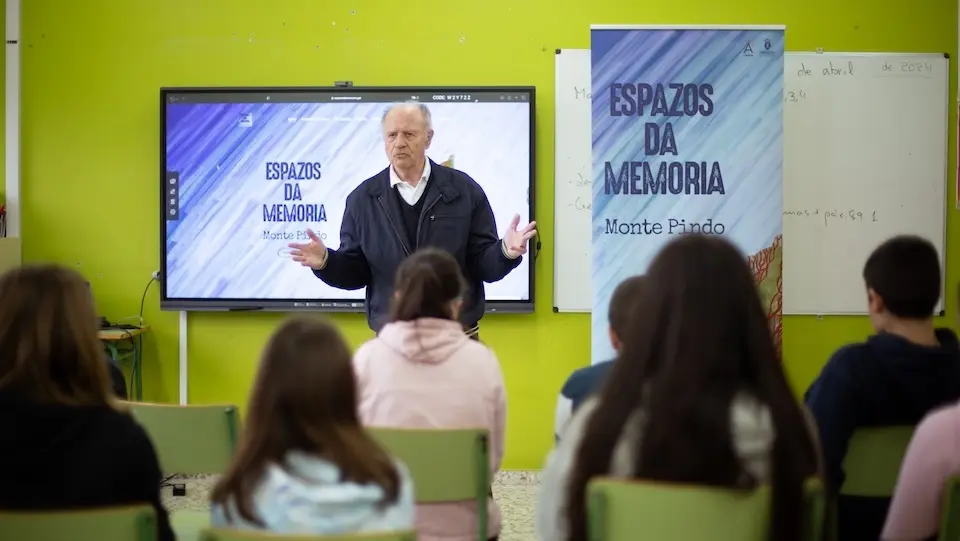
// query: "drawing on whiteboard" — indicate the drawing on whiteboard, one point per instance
point(767, 267)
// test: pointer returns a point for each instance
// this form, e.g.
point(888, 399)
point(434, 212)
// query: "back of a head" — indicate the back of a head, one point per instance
point(49, 349)
point(701, 324)
point(428, 284)
point(905, 272)
point(623, 302)
point(305, 380)
point(698, 339)
point(304, 399)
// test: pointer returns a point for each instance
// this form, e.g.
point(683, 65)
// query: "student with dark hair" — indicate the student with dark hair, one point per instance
point(422, 371)
point(896, 377)
point(697, 395)
point(305, 465)
point(583, 382)
point(66, 441)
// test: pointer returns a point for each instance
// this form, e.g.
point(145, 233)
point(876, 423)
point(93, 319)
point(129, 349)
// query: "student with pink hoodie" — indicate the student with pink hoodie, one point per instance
point(422, 371)
point(932, 458)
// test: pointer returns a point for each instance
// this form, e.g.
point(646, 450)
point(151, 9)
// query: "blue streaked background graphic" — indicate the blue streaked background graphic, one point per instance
point(744, 134)
point(216, 249)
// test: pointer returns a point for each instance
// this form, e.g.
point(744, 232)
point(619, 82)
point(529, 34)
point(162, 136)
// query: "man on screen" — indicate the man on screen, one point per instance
point(411, 204)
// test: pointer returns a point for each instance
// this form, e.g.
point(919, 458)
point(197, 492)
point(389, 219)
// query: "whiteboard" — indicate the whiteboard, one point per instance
point(873, 140)
point(573, 196)
point(865, 158)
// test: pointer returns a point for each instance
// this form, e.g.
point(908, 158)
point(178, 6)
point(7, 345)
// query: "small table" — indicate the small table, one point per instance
point(113, 338)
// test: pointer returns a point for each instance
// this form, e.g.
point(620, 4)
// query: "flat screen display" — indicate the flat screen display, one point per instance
point(244, 172)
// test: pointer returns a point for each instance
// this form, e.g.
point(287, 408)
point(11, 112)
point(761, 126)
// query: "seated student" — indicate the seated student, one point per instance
point(931, 460)
point(422, 371)
point(304, 464)
point(585, 381)
point(697, 395)
point(65, 440)
point(894, 378)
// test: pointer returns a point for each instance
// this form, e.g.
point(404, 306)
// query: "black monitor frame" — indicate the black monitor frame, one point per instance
point(310, 94)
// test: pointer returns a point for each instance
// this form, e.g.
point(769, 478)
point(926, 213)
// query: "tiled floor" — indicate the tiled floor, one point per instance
point(515, 491)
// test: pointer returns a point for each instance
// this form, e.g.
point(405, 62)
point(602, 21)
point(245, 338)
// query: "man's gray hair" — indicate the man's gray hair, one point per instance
point(424, 112)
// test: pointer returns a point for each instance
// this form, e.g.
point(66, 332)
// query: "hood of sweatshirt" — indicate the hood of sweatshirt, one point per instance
point(426, 340)
point(309, 494)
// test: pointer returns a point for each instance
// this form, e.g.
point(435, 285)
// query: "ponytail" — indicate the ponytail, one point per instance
point(427, 284)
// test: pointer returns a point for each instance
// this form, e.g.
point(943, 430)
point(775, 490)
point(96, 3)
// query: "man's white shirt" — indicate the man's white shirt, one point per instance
point(411, 194)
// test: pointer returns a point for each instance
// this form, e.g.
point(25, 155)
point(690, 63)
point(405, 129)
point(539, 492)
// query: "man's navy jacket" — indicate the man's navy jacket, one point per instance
point(456, 217)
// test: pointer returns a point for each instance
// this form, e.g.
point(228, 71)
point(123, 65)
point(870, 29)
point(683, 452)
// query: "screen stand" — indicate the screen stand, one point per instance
point(12, 127)
point(183, 358)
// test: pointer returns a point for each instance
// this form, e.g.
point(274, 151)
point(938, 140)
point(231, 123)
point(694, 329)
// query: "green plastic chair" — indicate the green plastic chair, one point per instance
point(235, 535)
point(815, 506)
point(190, 440)
point(950, 512)
point(130, 523)
point(619, 510)
point(872, 465)
point(873, 461)
point(446, 465)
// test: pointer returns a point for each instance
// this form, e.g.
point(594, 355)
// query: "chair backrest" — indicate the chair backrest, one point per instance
point(617, 510)
point(950, 512)
point(235, 535)
point(132, 523)
point(190, 439)
point(873, 461)
point(446, 465)
point(815, 510)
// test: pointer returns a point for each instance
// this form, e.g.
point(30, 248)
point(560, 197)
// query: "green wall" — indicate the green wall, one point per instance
point(91, 73)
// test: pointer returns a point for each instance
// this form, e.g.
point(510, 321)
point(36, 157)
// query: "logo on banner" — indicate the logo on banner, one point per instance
point(748, 50)
point(767, 46)
point(246, 120)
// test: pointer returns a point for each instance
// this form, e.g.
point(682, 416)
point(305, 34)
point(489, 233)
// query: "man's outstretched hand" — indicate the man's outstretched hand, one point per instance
point(312, 254)
point(516, 238)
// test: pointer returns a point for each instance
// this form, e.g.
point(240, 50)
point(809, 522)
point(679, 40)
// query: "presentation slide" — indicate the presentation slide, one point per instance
point(246, 172)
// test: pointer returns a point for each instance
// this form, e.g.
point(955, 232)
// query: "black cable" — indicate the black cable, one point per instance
point(143, 297)
point(139, 340)
point(165, 482)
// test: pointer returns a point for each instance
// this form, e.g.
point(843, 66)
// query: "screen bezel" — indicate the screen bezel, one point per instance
point(335, 305)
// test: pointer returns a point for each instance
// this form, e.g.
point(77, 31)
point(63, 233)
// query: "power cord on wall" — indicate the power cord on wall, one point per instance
point(119, 325)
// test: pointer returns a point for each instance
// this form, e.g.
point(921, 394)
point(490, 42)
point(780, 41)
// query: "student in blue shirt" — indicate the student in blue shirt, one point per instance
point(896, 377)
point(305, 465)
point(584, 381)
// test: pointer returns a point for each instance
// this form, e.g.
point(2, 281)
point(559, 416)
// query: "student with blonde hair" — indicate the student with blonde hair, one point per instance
point(422, 371)
point(305, 465)
point(66, 442)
